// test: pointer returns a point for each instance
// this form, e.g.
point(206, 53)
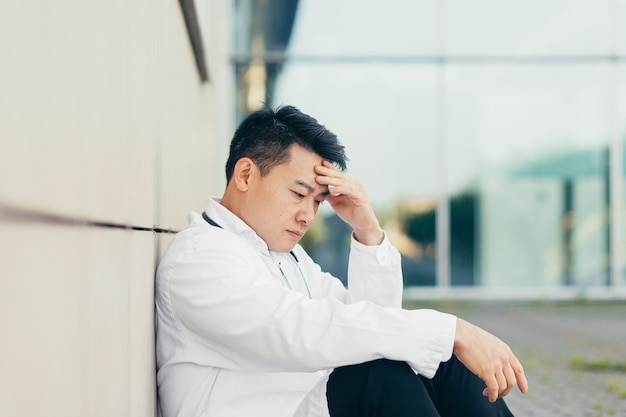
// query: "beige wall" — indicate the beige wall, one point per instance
point(103, 118)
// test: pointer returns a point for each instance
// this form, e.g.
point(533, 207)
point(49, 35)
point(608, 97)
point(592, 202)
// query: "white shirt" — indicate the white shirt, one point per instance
point(237, 338)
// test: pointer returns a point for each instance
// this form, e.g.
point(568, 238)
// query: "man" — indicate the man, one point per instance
point(249, 325)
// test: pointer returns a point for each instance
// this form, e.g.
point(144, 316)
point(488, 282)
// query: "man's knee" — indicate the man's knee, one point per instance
point(377, 388)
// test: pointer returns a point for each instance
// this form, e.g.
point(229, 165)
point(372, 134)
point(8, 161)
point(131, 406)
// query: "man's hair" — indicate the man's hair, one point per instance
point(266, 135)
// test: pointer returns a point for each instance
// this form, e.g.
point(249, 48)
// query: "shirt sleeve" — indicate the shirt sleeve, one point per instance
point(375, 273)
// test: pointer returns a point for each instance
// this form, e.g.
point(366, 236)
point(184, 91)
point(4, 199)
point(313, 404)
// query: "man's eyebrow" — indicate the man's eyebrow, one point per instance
point(310, 188)
point(306, 185)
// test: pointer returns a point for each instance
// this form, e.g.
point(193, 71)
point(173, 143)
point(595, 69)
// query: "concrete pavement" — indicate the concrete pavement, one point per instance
point(574, 354)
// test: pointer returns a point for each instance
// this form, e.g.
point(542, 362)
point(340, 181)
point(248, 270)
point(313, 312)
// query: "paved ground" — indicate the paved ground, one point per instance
point(574, 354)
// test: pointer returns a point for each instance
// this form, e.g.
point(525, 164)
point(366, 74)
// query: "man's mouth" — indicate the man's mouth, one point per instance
point(295, 234)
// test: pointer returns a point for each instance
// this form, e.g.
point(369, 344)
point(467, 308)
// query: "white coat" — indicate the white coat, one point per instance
point(238, 337)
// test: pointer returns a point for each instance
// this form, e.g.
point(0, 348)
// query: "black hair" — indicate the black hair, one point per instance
point(266, 135)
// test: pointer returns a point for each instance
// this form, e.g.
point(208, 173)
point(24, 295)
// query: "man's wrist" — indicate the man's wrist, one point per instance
point(462, 327)
point(370, 238)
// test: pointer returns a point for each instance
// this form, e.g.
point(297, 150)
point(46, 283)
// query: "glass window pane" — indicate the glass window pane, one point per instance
point(530, 27)
point(619, 24)
point(530, 144)
point(365, 27)
point(386, 116)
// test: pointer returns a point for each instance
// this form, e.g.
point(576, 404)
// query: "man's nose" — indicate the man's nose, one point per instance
point(307, 214)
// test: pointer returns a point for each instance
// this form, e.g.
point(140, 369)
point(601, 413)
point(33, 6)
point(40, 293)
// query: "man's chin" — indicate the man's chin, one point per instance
point(286, 248)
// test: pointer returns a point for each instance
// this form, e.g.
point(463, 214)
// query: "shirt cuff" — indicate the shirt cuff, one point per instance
point(442, 347)
point(384, 253)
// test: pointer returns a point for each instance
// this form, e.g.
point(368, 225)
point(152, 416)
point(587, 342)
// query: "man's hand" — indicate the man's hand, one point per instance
point(349, 200)
point(490, 359)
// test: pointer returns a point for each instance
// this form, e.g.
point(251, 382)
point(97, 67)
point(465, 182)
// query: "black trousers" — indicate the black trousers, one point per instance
point(385, 388)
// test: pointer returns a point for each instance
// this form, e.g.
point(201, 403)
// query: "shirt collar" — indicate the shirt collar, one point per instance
point(231, 222)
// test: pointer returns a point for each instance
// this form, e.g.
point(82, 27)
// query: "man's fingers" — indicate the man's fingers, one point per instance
point(522, 383)
point(503, 383)
point(500, 384)
point(492, 389)
point(511, 380)
point(332, 190)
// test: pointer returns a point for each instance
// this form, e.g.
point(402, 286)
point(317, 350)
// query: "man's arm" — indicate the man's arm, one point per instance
point(236, 315)
point(481, 352)
point(374, 271)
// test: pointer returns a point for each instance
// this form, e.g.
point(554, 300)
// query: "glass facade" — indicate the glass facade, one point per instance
point(488, 134)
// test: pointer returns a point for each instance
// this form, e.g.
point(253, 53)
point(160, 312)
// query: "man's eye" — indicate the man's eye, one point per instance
point(297, 194)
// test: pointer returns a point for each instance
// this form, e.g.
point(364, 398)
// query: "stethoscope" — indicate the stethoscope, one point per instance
point(280, 267)
point(306, 284)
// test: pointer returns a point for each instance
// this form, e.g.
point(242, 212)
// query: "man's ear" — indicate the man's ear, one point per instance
point(245, 168)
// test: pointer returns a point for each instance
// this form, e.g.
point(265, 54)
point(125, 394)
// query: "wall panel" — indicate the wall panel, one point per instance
point(76, 309)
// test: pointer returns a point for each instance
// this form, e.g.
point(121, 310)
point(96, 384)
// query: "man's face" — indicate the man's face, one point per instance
point(281, 206)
